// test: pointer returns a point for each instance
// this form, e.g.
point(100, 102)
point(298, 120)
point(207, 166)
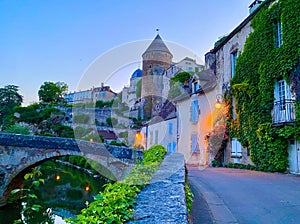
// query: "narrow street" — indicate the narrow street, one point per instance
point(243, 196)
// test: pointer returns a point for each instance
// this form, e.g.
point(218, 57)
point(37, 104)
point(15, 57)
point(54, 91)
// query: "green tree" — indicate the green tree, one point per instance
point(9, 98)
point(175, 90)
point(51, 92)
point(181, 77)
point(138, 89)
point(111, 121)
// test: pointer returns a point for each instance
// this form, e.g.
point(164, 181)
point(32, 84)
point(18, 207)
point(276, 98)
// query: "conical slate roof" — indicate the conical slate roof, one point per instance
point(157, 45)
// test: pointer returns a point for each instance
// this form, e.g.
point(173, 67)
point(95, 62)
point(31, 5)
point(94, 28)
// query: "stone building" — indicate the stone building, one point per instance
point(225, 55)
point(156, 60)
point(103, 93)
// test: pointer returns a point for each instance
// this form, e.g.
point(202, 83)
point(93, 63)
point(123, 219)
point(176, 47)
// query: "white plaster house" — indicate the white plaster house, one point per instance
point(195, 117)
point(189, 65)
point(161, 131)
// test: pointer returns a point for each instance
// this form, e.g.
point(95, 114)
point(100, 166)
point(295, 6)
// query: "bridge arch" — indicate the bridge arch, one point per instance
point(18, 152)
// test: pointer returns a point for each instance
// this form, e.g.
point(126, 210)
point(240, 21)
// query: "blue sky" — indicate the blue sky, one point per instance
point(59, 40)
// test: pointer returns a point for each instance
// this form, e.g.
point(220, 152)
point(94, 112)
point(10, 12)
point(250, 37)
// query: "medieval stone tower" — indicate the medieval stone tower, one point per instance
point(156, 60)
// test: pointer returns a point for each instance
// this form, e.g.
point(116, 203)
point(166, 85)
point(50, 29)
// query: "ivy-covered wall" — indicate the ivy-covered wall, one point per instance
point(258, 67)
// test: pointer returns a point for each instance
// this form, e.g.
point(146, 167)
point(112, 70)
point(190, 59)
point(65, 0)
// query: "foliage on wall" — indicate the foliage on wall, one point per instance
point(258, 67)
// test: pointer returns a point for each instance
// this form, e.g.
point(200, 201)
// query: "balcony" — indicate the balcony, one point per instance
point(283, 112)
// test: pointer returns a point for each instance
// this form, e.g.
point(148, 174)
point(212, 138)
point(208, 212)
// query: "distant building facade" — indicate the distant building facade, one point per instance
point(103, 93)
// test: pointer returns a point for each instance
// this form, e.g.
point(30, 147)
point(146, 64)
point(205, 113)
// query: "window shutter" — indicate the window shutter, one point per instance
point(276, 91)
point(238, 149)
point(195, 111)
point(170, 128)
point(287, 90)
point(169, 147)
point(174, 147)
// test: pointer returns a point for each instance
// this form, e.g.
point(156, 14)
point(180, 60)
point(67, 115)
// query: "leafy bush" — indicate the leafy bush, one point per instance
point(63, 131)
point(101, 104)
point(17, 129)
point(81, 118)
point(115, 204)
point(155, 153)
point(117, 143)
point(189, 197)
point(111, 121)
point(240, 166)
point(216, 163)
point(80, 131)
point(94, 138)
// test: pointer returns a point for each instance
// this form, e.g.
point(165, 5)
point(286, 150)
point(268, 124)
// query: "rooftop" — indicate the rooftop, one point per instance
point(157, 45)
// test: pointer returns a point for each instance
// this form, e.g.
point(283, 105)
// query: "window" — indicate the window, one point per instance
point(233, 57)
point(170, 128)
point(284, 109)
point(195, 111)
point(156, 137)
point(236, 148)
point(282, 91)
point(278, 34)
point(195, 145)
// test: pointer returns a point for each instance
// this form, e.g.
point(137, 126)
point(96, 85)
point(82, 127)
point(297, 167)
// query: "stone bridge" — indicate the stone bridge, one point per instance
point(19, 152)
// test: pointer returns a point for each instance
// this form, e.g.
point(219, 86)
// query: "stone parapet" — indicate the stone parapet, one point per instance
point(163, 200)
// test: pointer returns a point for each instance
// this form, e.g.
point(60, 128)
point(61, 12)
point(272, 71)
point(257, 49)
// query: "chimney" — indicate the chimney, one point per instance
point(254, 5)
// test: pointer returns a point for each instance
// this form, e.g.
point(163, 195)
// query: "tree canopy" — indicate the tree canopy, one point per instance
point(9, 98)
point(51, 92)
point(138, 89)
point(181, 77)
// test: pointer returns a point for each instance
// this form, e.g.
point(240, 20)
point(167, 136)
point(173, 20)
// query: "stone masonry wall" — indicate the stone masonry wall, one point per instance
point(163, 200)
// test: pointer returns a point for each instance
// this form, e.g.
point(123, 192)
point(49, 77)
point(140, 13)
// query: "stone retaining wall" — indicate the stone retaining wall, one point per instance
point(163, 200)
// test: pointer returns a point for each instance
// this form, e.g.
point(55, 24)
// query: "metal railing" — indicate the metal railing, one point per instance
point(283, 112)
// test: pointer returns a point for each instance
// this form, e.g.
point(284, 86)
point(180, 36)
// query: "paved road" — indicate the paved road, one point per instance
point(243, 196)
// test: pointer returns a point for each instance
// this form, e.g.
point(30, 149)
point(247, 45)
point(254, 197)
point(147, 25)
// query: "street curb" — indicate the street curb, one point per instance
point(221, 214)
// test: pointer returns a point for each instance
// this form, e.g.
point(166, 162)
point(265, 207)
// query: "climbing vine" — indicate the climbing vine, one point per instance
point(258, 67)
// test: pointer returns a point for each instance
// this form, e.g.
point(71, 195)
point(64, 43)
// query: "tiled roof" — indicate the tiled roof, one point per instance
point(107, 134)
point(157, 45)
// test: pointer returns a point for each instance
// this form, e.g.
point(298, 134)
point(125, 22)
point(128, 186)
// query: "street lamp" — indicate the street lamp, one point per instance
point(218, 103)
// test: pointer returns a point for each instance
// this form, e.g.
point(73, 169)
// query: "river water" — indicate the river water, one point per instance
point(63, 194)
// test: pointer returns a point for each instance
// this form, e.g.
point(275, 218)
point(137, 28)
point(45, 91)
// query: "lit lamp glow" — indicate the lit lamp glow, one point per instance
point(91, 140)
point(138, 136)
point(57, 177)
point(218, 103)
point(87, 188)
